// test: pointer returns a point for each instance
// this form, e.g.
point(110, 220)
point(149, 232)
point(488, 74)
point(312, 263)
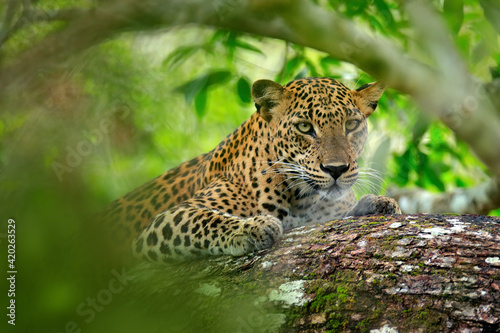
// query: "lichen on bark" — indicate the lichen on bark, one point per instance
point(421, 273)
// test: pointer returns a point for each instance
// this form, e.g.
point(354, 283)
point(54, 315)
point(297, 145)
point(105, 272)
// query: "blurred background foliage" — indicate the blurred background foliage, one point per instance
point(117, 115)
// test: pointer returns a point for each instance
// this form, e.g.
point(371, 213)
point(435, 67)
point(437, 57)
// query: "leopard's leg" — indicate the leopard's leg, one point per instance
point(371, 204)
point(191, 229)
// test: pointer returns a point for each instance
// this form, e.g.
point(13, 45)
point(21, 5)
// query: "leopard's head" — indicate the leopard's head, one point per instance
point(318, 130)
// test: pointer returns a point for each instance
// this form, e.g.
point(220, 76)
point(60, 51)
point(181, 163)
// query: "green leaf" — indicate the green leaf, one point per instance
point(375, 23)
point(480, 51)
point(220, 35)
point(182, 53)
point(432, 174)
point(244, 90)
point(311, 68)
point(355, 7)
point(302, 74)
point(327, 61)
point(406, 163)
point(420, 127)
point(244, 45)
point(192, 88)
point(292, 65)
point(454, 14)
point(460, 183)
point(218, 77)
point(492, 12)
point(200, 103)
point(384, 11)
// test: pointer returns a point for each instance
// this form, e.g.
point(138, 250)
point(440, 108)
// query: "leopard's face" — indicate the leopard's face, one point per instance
point(318, 128)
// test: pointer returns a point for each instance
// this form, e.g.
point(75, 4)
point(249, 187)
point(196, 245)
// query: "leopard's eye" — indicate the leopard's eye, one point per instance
point(351, 125)
point(305, 128)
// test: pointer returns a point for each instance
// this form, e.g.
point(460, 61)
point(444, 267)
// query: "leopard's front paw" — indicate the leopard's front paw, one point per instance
point(256, 233)
point(374, 205)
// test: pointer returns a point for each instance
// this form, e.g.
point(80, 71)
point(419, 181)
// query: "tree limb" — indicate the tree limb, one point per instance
point(456, 98)
point(32, 15)
point(480, 199)
point(429, 273)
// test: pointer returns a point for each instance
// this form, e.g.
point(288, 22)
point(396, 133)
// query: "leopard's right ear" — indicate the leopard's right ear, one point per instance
point(266, 94)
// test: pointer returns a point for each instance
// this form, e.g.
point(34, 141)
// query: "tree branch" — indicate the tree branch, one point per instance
point(480, 199)
point(410, 273)
point(456, 98)
point(31, 15)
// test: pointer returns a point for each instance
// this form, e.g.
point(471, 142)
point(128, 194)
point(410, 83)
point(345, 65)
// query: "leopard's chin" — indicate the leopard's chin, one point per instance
point(338, 189)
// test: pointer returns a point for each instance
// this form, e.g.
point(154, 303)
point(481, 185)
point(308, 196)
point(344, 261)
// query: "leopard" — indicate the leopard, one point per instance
point(292, 163)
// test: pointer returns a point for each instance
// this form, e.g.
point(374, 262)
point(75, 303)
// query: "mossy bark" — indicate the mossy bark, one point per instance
point(423, 273)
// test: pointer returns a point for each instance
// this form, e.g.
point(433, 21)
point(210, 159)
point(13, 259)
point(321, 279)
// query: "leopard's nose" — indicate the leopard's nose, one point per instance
point(335, 170)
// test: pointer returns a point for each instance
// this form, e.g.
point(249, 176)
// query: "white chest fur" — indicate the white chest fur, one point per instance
point(322, 207)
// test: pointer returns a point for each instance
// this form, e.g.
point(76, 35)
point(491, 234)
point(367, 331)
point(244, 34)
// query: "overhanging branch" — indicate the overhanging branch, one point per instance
point(456, 98)
point(480, 199)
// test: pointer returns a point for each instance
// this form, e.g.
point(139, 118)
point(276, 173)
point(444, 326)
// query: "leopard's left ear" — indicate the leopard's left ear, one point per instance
point(267, 95)
point(367, 96)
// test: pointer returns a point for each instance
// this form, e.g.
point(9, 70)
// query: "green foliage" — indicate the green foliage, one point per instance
point(197, 89)
point(133, 107)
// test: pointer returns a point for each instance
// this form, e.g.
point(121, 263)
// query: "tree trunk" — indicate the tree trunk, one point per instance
point(423, 273)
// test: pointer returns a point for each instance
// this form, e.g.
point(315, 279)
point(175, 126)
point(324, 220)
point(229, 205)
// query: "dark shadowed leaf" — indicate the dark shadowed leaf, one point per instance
point(244, 45)
point(384, 11)
point(180, 54)
point(200, 103)
point(192, 88)
point(312, 68)
point(292, 65)
point(432, 173)
point(243, 87)
point(218, 77)
point(420, 127)
point(302, 74)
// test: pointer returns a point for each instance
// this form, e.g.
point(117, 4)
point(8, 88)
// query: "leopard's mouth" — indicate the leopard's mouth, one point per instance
point(334, 189)
point(339, 185)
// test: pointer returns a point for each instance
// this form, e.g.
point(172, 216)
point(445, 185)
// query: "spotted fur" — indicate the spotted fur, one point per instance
point(292, 163)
